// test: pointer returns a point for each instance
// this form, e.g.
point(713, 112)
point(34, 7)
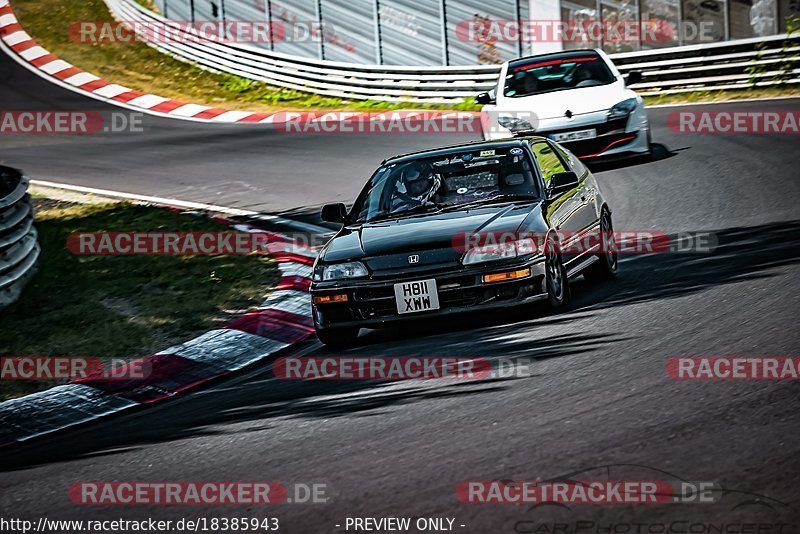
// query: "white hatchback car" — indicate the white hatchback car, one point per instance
point(576, 98)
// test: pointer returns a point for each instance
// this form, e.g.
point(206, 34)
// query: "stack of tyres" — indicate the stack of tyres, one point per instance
point(19, 250)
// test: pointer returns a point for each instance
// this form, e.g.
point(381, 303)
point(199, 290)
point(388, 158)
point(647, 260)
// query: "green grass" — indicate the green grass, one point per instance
point(148, 4)
point(143, 68)
point(724, 96)
point(123, 306)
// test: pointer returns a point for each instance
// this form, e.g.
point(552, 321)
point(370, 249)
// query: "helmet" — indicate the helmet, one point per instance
point(416, 170)
point(417, 179)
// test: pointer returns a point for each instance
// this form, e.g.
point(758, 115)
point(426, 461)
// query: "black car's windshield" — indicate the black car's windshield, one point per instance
point(434, 183)
point(534, 76)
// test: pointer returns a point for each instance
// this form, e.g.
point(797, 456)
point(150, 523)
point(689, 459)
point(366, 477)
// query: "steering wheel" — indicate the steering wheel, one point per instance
point(409, 202)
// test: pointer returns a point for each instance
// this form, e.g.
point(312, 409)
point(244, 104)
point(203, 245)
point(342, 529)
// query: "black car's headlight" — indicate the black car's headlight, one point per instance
point(623, 109)
point(340, 271)
point(500, 251)
point(514, 124)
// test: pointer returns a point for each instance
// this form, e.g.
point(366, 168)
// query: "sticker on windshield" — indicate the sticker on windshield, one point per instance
point(515, 151)
point(466, 157)
point(486, 153)
point(444, 162)
point(481, 163)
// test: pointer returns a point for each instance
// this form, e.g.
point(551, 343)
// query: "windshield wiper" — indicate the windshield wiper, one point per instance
point(489, 200)
point(422, 208)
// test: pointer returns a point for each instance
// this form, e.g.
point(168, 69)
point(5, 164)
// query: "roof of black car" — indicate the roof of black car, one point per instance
point(454, 149)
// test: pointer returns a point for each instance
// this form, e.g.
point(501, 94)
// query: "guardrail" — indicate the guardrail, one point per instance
point(738, 64)
point(329, 78)
point(19, 250)
point(741, 64)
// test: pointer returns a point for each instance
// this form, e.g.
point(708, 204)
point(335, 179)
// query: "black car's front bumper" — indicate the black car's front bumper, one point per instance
point(371, 302)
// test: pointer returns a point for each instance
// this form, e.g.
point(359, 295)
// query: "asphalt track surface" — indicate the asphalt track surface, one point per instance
point(598, 394)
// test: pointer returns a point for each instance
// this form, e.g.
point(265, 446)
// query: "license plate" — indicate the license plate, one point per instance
point(415, 297)
point(574, 136)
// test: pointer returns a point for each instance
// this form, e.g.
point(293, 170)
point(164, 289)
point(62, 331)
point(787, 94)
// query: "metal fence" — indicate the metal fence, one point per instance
point(466, 32)
point(727, 65)
point(361, 31)
point(19, 250)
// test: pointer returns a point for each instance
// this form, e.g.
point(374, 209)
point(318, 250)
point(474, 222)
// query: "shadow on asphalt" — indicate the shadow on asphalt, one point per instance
point(743, 254)
point(660, 152)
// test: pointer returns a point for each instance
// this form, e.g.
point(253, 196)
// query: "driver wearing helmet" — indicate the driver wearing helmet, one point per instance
point(416, 186)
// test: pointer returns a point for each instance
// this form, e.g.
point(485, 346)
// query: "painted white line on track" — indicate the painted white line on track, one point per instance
point(154, 199)
point(189, 205)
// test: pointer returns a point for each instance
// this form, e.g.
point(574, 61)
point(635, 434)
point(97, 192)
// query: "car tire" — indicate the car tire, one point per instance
point(607, 264)
point(338, 338)
point(556, 280)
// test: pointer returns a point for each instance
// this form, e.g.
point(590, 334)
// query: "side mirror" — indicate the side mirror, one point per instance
point(335, 213)
point(484, 99)
point(561, 183)
point(634, 77)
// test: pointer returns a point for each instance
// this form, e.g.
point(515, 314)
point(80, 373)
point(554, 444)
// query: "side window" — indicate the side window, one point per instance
point(548, 161)
point(572, 160)
point(368, 201)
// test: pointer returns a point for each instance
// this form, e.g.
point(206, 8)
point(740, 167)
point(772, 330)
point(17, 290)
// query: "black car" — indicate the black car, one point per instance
point(478, 226)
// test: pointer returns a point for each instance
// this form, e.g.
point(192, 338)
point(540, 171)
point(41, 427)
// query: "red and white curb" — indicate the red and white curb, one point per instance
point(282, 321)
point(28, 52)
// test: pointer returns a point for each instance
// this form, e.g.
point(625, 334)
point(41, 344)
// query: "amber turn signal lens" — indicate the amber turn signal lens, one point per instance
point(330, 299)
point(504, 277)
